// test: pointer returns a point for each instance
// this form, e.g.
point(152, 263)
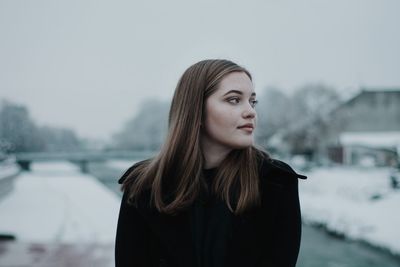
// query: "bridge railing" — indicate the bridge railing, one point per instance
point(82, 158)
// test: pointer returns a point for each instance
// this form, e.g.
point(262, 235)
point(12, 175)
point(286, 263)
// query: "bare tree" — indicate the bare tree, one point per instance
point(145, 131)
point(59, 139)
point(309, 118)
point(18, 132)
point(272, 112)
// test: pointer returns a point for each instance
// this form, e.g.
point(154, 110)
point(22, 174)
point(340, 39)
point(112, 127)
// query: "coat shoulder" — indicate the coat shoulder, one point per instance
point(278, 171)
point(126, 174)
point(286, 167)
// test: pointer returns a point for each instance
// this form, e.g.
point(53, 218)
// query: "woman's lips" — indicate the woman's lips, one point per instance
point(247, 127)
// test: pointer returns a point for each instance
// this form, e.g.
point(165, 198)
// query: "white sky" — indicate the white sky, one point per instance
point(87, 65)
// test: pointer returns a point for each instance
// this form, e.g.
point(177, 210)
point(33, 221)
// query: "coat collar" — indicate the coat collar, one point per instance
point(280, 166)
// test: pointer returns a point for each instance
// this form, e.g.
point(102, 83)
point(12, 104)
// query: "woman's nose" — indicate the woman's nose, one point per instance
point(249, 112)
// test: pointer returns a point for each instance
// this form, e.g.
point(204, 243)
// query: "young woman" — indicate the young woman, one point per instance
point(210, 198)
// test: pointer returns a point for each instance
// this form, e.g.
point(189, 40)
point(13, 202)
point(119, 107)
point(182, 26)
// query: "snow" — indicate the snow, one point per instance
point(8, 168)
point(371, 139)
point(6, 171)
point(356, 202)
point(56, 203)
point(120, 164)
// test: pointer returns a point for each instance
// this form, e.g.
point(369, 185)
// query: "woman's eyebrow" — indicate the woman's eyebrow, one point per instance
point(238, 92)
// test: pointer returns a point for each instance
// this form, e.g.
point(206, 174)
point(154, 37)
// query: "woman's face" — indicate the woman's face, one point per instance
point(230, 117)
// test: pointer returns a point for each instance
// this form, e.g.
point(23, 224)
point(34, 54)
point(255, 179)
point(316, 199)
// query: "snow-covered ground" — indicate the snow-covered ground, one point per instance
point(8, 167)
point(120, 164)
point(56, 203)
point(356, 202)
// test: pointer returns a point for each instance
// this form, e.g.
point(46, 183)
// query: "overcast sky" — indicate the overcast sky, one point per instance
point(87, 65)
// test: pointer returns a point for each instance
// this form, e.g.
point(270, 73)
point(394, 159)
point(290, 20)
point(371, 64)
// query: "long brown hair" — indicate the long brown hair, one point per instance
point(174, 176)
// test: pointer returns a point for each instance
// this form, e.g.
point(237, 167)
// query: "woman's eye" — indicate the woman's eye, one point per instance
point(253, 102)
point(234, 100)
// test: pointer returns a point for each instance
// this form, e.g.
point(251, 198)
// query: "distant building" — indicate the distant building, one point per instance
point(366, 128)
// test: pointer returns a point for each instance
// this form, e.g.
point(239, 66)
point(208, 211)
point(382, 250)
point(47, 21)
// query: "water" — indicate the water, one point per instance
point(108, 176)
point(318, 248)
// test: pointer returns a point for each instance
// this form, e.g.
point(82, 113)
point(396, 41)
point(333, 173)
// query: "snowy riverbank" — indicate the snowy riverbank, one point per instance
point(56, 203)
point(355, 202)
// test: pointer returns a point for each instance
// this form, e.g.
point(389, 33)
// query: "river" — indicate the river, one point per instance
point(320, 249)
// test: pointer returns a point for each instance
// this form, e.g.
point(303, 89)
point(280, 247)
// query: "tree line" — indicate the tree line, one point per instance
point(287, 124)
point(20, 133)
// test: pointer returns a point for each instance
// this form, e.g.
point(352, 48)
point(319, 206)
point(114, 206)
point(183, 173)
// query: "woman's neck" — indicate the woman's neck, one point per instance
point(213, 155)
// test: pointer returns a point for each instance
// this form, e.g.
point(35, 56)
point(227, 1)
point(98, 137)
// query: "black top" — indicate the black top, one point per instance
point(211, 226)
point(207, 234)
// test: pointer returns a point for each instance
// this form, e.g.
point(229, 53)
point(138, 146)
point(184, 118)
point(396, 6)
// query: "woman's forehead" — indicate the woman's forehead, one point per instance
point(236, 82)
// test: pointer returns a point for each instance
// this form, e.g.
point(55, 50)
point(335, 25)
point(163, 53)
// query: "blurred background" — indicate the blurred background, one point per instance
point(85, 89)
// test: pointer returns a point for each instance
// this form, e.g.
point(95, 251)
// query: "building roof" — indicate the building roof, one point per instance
point(371, 139)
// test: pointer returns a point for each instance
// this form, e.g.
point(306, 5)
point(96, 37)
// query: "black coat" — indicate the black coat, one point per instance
point(266, 236)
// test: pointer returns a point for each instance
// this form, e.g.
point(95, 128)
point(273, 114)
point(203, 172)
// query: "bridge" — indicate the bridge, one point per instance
point(82, 159)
